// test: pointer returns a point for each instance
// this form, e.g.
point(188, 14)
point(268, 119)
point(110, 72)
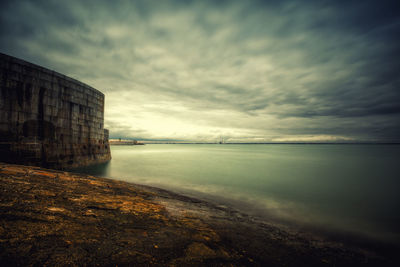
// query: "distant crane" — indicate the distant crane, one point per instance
point(221, 140)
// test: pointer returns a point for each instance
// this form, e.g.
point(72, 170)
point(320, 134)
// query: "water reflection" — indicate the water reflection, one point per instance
point(102, 170)
point(348, 187)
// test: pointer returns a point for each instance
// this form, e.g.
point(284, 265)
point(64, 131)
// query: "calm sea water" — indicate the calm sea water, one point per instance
point(353, 188)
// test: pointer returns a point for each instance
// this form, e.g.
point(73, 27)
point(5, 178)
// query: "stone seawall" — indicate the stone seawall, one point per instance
point(48, 119)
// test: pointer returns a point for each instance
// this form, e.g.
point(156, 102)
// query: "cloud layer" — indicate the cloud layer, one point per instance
point(251, 71)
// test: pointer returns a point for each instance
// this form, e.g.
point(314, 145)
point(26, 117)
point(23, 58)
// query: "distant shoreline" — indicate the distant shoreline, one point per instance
point(117, 142)
point(205, 143)
point(126, 144)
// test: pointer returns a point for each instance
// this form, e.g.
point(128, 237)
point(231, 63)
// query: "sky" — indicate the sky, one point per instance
point(247, 71)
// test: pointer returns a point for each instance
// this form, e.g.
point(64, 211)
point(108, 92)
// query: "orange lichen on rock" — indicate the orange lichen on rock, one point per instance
point(76, 212)
point(43, 173)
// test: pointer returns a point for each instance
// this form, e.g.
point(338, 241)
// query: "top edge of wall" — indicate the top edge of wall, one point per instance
point(43, 69)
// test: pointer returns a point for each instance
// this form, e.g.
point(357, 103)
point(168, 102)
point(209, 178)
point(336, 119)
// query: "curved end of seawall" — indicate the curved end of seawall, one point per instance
point(48, 119)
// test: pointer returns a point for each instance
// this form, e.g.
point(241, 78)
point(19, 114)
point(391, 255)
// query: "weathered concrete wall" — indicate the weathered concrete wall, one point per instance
point(48, 119)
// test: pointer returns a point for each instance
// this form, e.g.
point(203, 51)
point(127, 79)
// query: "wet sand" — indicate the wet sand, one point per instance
point(52, 218)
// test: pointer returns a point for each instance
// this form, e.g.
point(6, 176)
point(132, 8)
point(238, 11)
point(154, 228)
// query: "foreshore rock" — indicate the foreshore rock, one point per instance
point(54, 218)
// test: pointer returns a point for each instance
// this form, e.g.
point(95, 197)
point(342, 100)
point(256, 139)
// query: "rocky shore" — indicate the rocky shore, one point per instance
point(58, 218)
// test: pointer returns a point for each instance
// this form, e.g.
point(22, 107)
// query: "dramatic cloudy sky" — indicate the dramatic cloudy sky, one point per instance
point(250, 71)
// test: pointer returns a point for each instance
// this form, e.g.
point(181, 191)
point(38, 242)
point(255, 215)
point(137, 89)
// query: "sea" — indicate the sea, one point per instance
point(348, 189)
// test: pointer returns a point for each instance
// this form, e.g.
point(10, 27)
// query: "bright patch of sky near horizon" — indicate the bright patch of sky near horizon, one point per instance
point(251, 71)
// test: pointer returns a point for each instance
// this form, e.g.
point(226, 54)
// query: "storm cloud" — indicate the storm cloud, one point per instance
point(251, 71)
